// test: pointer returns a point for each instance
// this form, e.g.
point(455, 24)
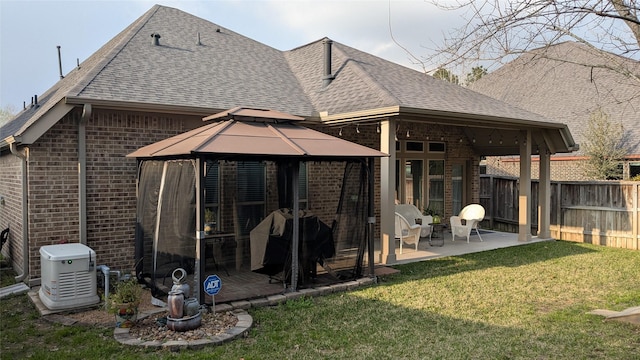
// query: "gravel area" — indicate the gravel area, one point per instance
point(152, 327)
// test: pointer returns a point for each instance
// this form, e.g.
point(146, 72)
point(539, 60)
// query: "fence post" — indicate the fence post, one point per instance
point(491, 201)
point(559, 210)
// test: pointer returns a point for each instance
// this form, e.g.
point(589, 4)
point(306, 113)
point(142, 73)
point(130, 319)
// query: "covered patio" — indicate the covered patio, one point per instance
point(252, 286)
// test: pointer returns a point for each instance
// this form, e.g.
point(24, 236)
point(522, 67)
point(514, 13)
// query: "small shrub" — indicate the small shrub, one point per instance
point(126, 292)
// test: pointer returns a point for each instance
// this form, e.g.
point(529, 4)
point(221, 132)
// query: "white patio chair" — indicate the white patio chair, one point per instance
point(406, 232)
point(414, 216)
point(469, 218)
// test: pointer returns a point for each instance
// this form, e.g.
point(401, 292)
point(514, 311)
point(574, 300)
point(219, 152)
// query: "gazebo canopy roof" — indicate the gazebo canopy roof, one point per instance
point(249, 132)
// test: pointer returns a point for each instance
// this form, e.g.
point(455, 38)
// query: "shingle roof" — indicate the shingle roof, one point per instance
point(567, 83)
point(364, 81)
point(228, 70)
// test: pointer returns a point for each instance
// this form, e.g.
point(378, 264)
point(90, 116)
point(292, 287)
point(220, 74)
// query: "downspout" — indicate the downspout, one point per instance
point(82, 172)
point(25, 212)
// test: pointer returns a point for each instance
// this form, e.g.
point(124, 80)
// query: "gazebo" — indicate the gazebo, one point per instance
point(180, 175)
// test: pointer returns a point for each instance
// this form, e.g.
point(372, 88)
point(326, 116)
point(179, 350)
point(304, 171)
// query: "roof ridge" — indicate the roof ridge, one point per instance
point(120, 41)
point(381, 91)
point(288, 141)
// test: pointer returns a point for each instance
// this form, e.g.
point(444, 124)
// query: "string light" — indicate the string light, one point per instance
point(408, 133)
point(340, 133)
point(358, 128)
point(378, 128)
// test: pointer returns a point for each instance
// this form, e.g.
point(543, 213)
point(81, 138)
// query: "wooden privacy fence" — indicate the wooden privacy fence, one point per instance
point(599, 212)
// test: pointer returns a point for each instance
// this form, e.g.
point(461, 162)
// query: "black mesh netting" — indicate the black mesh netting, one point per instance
point(166, 228)
point(166, 221)
point(338, 249)
point(349, 224)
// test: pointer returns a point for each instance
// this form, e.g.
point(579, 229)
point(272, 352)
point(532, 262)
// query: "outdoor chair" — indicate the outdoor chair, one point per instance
point(406, 232)
point(413, 215)
point(468, 219)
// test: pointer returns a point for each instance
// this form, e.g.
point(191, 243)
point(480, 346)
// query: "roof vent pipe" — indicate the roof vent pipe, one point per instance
point(328, 77)
point(155, 39)
point(60, 63)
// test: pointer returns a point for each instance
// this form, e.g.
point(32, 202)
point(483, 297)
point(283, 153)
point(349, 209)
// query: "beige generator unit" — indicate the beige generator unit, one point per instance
point(68, 276)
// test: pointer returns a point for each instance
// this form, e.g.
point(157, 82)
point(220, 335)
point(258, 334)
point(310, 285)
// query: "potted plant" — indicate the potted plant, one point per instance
point(433, 214)
point(124, 302)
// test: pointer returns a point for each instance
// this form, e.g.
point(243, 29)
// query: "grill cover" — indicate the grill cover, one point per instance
point(271, 244)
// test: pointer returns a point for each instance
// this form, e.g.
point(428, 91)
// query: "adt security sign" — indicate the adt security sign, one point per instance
point(212, 285)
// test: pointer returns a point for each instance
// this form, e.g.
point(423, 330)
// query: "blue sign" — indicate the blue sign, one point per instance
point(212, 285)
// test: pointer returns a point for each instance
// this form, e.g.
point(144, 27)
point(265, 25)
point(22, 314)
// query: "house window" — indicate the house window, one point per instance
point(457, 172)
point(251, 195)
point(436, 147)
point(212, 196)
point(414, 183)
point(435, 183)
point(303, 187)
point(414, 146)
point(634, 169)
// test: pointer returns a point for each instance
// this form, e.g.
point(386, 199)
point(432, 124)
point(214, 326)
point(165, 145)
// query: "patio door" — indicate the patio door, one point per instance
point(457, 176)
point(436, 186)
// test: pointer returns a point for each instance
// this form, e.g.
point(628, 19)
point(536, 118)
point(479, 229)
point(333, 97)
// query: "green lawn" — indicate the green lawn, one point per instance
point(525, 302)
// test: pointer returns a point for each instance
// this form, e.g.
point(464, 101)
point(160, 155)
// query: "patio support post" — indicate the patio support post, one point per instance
point(524, 197)
point(296, 225)
point(387, 191)
point(198, 287)
point(544, 194)
point(371, 216)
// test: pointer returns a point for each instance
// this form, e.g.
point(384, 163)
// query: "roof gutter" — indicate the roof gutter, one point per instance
point(25, 208)
point(139, 106)
point(358, 116)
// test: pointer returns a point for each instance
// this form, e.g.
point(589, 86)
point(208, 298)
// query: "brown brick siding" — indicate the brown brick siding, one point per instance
point(111, 178)
point(561, 170)
point(11, 210)
point(457, 152)
point(111, 195)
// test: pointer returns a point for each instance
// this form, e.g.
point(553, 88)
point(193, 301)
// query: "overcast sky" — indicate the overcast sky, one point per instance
point(31, 30)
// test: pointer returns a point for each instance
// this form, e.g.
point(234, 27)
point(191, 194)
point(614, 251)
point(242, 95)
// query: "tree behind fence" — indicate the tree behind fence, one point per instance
point(603, 213)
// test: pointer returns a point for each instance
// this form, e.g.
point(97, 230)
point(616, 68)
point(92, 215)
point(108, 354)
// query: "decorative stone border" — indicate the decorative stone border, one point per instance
point(245, 321)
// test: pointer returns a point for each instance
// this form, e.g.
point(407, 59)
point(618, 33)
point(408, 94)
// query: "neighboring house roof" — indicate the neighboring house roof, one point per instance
point(567, 82)
point(180, 75)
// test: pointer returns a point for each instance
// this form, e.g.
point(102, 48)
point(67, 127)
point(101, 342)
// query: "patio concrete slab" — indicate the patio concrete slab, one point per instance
point(491, 240)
